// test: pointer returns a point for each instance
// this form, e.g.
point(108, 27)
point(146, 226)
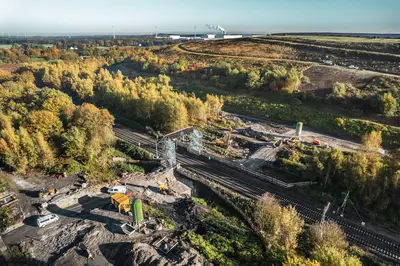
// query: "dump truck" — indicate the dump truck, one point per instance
point(121, 202)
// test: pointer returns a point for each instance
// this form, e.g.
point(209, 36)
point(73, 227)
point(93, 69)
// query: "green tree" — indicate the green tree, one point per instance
point(5, 219)
point(295, 260)
point(328, 256)
point(253, 81)
point(387, 104)
point(75, 144)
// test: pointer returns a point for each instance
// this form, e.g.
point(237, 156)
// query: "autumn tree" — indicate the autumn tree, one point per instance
point(387, 104)
point(28, 147)
point(214, 105)
point(253, 81)
point(296, 260)
point(372, 141)
point(10, 146)
point(170, 115)
point(279, 226)
point(55, 101)
point(328, 256)
point(45, 122)
point(45, 152)
point(328, 234)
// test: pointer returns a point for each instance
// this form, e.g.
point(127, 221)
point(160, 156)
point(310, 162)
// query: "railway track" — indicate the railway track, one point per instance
point(253, 187)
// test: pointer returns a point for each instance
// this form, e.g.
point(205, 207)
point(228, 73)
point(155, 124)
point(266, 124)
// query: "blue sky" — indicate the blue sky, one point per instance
point(255, 16)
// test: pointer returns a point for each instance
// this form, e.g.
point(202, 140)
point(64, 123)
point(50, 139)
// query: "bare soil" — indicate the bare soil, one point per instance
point(323, 78)
point(291, 50)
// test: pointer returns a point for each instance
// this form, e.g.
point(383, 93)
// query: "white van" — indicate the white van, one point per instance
point(117, 189)
point(47, 219)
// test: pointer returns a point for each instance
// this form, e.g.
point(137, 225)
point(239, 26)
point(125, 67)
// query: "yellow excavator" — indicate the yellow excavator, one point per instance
point(48, 192)
point(225, 142)
point(166, 188)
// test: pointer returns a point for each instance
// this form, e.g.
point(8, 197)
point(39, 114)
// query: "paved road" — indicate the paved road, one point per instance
point(253, 187)
point(70, 214)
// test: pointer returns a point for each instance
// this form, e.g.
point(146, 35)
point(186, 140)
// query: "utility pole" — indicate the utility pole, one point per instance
point(157, 147)
point(155, 29)
point(325, 211)
point(344, 203)
point(114, 31)
point(194, 28)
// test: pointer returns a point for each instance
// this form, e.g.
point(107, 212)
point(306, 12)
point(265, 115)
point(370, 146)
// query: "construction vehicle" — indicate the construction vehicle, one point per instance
point(225, 142)
point(49, 192)
point(316, 142)
point(166, 187)
point(219, 142)
point(121, 202)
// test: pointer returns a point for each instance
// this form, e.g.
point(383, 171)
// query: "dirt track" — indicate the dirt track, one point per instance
point(182, 49)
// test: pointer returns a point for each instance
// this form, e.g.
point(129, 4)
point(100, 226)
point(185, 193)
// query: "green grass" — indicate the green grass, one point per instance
point(228, 240)
point(150, 211)
point(343, 39)
point(5, 46)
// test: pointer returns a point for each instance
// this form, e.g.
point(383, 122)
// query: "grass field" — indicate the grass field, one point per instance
point(342, 39)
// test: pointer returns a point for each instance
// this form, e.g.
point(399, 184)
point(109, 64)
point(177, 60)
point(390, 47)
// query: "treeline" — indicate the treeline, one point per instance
point(93, 41)
point(380, 96)
point(42, 128)
point(150, 101)
point(289, 242)
point(231, 76)
point(372, 179)
point(25, 53)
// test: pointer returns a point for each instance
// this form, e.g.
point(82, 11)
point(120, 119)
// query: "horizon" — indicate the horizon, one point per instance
point(74, 18)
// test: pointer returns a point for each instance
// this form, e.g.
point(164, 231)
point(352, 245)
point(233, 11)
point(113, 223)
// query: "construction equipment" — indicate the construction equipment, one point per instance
point(47, 192)
point(166, 187)
point(7, 198)
point(225, 142)
point(121, 201)
point(219, 142)
point(316, 142)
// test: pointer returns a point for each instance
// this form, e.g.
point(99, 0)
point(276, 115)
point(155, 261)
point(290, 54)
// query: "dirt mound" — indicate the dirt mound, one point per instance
point(144, 254)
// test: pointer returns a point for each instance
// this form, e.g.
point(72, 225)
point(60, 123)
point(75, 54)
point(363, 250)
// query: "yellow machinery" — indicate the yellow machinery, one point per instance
point(225, 142)
point(219, 142)
point(162, 187)
point(166, 187)
point(121, 202)
point(49, 192)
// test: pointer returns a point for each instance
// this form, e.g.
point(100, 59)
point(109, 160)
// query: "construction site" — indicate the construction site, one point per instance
point(139, 220)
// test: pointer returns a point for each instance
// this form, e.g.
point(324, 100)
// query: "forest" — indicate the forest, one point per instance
point(41, 127)
point(373, 179)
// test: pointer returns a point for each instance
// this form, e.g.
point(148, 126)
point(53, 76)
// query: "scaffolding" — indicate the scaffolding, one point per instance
point(169, 152)
point(195, 142)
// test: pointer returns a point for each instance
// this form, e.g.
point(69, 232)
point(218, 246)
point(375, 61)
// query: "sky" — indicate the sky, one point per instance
point(173, 16)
